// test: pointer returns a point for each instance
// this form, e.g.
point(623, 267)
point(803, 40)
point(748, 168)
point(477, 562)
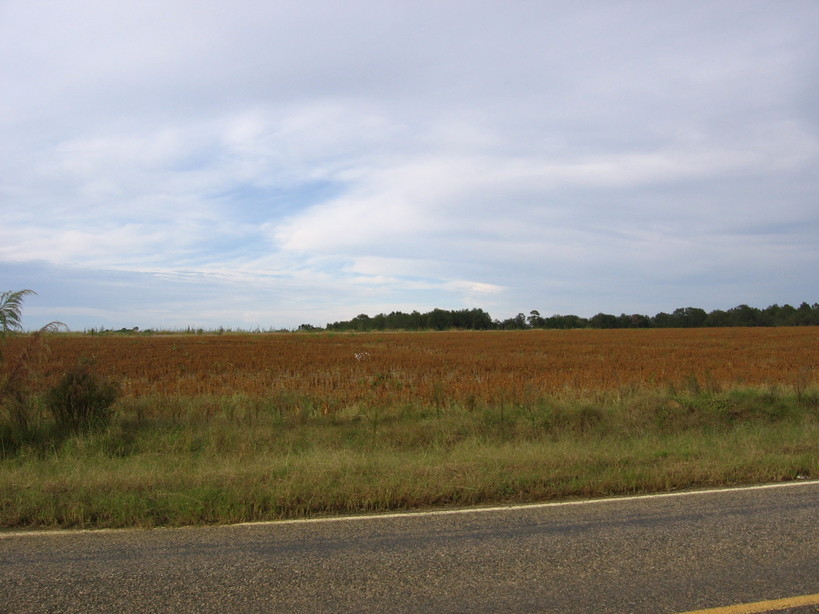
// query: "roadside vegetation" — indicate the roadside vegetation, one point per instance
point(143, 431)
point(177, 461)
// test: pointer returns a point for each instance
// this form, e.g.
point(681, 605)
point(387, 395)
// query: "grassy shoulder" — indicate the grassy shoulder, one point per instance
point(170, 461)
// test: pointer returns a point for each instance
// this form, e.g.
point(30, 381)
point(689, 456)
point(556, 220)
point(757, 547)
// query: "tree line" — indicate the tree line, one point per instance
point(478, 319)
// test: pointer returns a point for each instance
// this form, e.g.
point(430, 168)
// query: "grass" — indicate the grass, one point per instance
point(182, 460)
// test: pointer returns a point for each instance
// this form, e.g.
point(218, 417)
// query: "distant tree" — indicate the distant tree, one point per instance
point(397, 321)
point(718, 318)
point(565, 322)
point(623, 321)
point(662, 320)
point(690, 317)
point(639, 321)
point(478, 319)
point(603, 320)
point(516, 323)
point(743, 315)
point(439, 319)
point(535, 320)
point(361, 322)
point(779, 316)
point(807, 315)
point(415, 321)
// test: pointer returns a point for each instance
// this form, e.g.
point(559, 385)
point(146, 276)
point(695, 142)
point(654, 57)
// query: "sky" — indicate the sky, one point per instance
point(263, 164)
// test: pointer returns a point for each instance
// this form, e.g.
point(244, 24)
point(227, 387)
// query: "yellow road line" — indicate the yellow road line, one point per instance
point(762, 606)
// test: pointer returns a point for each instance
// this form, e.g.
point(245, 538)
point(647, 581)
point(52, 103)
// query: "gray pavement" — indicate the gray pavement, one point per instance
point(652, 555)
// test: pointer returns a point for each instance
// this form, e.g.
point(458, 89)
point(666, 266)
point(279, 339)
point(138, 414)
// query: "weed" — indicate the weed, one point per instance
point(691, 384)
point(82, 399)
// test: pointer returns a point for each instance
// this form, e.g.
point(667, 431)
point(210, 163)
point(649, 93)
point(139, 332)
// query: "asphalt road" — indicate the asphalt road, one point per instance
point(653, 555)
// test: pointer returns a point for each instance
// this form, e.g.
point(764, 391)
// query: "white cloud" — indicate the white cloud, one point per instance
point(344, 156)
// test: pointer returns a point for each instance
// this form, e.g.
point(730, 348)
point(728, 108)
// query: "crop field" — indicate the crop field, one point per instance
point(334, 370)
point(239, 427)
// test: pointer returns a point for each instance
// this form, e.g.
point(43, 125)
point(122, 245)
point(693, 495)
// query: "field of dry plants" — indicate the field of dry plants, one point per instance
point(335, 370)
point(238, 427)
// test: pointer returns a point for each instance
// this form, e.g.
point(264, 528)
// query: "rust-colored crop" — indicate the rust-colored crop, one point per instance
point(336, 370)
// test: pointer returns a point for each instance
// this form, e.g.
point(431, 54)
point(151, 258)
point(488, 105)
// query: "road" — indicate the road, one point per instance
point(671, 553)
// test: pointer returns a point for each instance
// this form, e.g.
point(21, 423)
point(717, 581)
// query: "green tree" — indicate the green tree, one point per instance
point(718, 318)
point(516, 323)
point(535, 320)
point(604, 320)
point(690, 317)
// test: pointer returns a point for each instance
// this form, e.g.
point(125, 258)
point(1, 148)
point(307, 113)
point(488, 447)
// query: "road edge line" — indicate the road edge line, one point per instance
point(424, 513)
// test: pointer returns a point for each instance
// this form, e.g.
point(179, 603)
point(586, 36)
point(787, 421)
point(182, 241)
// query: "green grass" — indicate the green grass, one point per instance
point(181, 461)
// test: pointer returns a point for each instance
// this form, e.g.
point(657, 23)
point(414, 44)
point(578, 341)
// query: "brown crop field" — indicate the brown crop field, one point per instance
point(339, 369)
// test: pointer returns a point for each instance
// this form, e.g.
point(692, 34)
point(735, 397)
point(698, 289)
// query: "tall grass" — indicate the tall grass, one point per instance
point(175, 460)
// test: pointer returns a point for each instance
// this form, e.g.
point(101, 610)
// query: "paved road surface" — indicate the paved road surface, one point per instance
point(652, 555)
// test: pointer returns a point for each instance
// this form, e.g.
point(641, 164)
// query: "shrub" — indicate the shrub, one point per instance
point(82, 400)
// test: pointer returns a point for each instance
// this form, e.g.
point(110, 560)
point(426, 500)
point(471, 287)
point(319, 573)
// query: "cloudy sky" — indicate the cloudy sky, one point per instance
point(251, 163)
